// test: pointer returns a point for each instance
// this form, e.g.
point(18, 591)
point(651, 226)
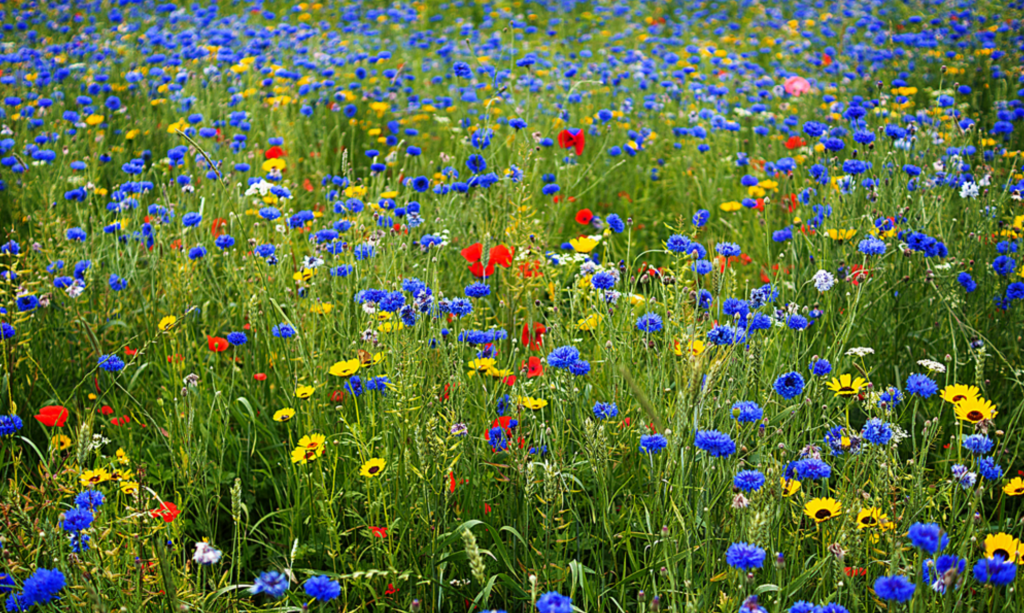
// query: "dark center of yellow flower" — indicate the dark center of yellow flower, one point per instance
point(869, 521)
point(958, 398)
point(822, 514)
point(846, 391)
point(975, 416)
point(373, 470)
point(1001, 552)
point(1018, 490)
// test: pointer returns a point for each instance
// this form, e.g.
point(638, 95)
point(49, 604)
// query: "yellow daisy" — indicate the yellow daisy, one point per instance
point(372, 468)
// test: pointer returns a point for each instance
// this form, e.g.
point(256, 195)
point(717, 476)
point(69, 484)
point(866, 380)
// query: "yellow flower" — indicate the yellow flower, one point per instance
point(975, 410)
point(845, 385)
point(841, 235)
point(958, 393)
point(730, 206)
point(122, 457)
point(390, 326)
point(372, 468)
point(94, 477)
point(321, 308)
point(303, 275)
point(872, 517)
point(789, 486)
point(1004, 545)
point(310, 447)
point(345, 368)
point(166, 323)
point(61, 442)
point(273, 163)
point(532, 403)
point(1015, 487)
point(284, 415)
point(131, 488)
point(304, 391)
point(94, 119)
point(694, 348)
point(583, 244)
point(590, 322)
point(822, 509)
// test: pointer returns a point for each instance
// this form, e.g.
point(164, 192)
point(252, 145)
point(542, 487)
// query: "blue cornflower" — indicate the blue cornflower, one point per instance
point(9, 425)
point(579, 368)
point(323, 588)
point(649, 322)
point(89, 499)
point(748, 480)
point(895, 588)
point(700, 218)
point(921, 385)
point(934, 571)
point(989, 470)
point(392, 301)
point(283, 331)
point(224, 241)
point(553, 602)
point(877, 432)
point(797, 322)
point(273, 584)
point(728, 249)
point(679, 244)
point(744, 556)
point(191, 219)
point(111, 363)
point(890, 397)
point(809, 468)
point(652, 443)
point(615, 223)
point(478, 290)
point(802, 606)
point(789, 385)
point(76, 520)
point(41, 588)
point(715, 443)
point(563, 357)
point(237, 338)
point(363, 252)
point(978, 444)
point(75, 234)
point(27, 303)
point(605, 410)
point(196, 252)
point(995, 570)
point(746, 411)
point(116, 283)
point(603, 280)
point(929, 537)
point(820, 368)
point(871, 246)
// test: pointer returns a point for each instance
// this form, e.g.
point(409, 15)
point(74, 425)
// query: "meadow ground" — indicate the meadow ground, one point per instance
point(528, 306)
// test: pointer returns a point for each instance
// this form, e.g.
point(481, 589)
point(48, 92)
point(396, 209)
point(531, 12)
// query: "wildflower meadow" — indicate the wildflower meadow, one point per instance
point(532, 305)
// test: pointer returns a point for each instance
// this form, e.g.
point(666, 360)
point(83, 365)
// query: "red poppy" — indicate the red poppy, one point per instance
point(105, 410)
point(625, 195)
point(826, 60)
point(338, 396)
point(509, 380)
point(167, 511)
point(54, 415)
point(499, 255)
point(260, 376)
point(487, 508)
point(584, 216)
point(217, 343)
point(176, 244)
point(533, 367)
point(391, 590)
point(129, 351)
point(217, 227)
point(444, 395)
point(535, 339)
point(795, 142)
point(307, 185)
point(121, 421)
point(451, 481)
point(177, 357)
point(274, 153)
point(505, 423)
point(858, 273)
point(568, 139)
point(852, 571)
point(530, 269)
point(381, 533)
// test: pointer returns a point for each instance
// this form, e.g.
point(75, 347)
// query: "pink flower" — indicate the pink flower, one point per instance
point(797, 86)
